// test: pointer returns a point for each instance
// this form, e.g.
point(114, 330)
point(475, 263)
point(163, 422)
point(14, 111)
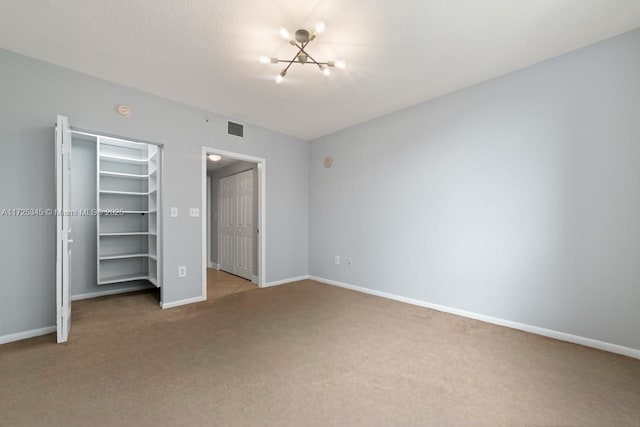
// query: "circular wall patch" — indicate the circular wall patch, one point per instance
point(327, 162)
point(124, 110)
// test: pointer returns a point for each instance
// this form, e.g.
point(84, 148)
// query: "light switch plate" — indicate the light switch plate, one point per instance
point(174, 211)
point(194, 212)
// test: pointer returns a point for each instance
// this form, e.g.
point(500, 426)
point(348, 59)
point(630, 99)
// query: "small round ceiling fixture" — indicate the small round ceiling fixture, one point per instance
point(215, 157)
point(327, 162)
point(124, 110)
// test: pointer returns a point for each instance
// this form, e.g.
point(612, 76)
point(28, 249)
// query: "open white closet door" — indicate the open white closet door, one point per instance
point(63, 229)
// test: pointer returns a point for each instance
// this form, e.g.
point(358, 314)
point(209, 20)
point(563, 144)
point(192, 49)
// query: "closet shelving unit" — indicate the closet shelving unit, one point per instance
point(128, 201)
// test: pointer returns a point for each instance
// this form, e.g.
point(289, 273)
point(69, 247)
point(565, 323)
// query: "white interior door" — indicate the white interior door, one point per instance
point(244, 227)
point(63, 229)
point(235, 224)
point(225, 225)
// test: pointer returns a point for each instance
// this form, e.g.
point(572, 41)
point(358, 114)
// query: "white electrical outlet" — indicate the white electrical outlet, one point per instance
point(349, 261)
point(182, 271)
point(194, 212)
point(174, 211)
point(336, 259)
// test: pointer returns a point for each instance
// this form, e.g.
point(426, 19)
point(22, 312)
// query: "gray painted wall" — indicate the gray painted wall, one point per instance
point(34, 92)
point(515, 198)
point(232, 169)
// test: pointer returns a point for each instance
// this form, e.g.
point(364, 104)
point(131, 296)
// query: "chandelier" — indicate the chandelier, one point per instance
point(301, 41)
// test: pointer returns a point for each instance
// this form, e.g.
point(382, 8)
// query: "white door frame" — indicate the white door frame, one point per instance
point(262, 174)
point(209, 223)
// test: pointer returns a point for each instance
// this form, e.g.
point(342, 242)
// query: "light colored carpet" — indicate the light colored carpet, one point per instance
point(221, 284)
point(305, 354)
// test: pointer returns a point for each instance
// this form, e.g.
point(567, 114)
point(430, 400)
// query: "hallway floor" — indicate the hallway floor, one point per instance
point(221, 284)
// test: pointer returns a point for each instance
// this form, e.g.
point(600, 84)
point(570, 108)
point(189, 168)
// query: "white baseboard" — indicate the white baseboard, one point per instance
point(182, 302)
point(283, 281)
point(254, 280)
point(213, 265)
point(562, 336)
point(26, 334)
point(110, 292)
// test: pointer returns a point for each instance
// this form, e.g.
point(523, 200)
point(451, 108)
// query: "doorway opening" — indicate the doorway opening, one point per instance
point(233, 222)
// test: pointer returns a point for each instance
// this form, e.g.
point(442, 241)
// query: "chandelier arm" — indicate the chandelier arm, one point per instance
point(319, 64)
point(312, 61)
point(302, 46)
point(284, 71)
point(300, 49)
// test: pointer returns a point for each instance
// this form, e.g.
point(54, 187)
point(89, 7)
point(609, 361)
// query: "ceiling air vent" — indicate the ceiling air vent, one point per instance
point(235, 129)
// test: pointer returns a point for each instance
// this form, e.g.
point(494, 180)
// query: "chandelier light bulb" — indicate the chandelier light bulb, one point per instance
point(320, 27)
point(264, 60)
point(326, 71)
point(341, 64)
point(284, 33)
point(279, 79)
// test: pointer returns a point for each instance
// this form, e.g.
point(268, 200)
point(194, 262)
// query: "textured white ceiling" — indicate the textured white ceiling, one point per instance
point(399, 53)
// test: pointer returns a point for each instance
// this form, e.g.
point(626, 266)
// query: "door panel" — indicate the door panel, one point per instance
point(225, 225)
point(244, 224)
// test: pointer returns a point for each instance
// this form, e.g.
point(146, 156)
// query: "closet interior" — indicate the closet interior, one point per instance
point(127, 223)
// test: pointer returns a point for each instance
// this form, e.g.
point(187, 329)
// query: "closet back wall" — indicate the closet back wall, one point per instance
point(34, 92)
point(83, 228)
